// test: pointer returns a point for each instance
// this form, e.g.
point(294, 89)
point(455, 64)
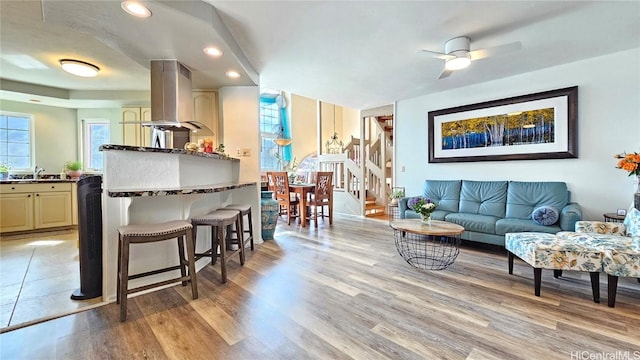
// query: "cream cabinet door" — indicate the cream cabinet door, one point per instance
point(205, 111)
point(16, 212)
point(131, 128)
point(52, 209)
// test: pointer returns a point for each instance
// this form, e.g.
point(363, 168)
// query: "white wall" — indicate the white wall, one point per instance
point(608, 123)
point(55, 133)
point(239, 116)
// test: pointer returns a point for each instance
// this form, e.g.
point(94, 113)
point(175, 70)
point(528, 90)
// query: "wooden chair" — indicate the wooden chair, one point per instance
point(288, 204)
point(321, 197)
point(271, 183)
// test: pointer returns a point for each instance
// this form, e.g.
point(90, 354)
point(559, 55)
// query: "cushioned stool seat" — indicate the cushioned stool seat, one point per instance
point(220, 220)
point(245, 210)
point(139, 234)
point(548, 251)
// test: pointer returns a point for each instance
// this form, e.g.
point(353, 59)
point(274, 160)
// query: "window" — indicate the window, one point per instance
point(270, 128)
point(16, 140)
point(96, 133)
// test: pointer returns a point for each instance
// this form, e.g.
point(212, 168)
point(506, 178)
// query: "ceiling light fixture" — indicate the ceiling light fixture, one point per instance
point(79, 68)
point(212, 51)
point(336, 145)
point(459, 62)
point(232, 74)
point(136, 9)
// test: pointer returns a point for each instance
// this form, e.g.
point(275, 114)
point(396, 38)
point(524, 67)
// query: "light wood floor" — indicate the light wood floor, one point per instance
point(343, 292)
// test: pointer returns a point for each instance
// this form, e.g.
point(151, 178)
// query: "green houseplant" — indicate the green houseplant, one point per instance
point(4, 171)
point(73, 169)
point(396, 194)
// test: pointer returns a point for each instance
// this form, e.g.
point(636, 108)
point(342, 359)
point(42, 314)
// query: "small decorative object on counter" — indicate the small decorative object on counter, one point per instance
point(191, 146)
point(269, 210)
point(73, 169)
point(208, 145)
point(4, 171)
point(220, 149)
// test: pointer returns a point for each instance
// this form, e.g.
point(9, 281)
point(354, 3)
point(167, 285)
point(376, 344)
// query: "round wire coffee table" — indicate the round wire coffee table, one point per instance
point(428, 247)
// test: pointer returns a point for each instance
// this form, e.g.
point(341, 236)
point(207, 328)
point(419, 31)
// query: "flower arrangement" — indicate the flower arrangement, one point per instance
point(629, 162)
point(422, 206)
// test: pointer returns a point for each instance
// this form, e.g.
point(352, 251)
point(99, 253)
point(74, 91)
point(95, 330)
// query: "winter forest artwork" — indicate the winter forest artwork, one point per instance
point(535, 126)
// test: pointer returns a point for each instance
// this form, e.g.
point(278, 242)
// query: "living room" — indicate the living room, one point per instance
point(343, 292)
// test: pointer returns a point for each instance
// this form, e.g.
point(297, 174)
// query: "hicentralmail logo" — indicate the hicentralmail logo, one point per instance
point(614, 355)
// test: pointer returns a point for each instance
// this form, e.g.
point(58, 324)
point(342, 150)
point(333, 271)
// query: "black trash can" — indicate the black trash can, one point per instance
point(90, 237)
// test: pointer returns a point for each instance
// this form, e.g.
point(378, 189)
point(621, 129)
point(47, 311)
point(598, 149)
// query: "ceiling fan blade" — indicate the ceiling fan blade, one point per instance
point(445, 73)
point(495, 50)
point(438, 55)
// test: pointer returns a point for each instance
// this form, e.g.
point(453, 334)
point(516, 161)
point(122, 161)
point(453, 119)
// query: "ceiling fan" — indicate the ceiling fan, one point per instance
point(458, 55)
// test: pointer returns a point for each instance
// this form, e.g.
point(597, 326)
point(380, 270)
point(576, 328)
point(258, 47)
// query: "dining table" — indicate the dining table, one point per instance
point(302, 189)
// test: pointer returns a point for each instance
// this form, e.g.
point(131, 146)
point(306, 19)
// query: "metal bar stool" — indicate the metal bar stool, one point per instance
point(245, 210)
point(220, 220)
point(140, 234)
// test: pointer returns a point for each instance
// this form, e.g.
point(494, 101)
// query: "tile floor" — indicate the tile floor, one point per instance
point(38, 273)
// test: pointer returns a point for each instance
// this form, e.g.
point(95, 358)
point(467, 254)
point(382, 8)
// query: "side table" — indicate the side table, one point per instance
point(613, 217)
point(427, 247)
point(393, 212)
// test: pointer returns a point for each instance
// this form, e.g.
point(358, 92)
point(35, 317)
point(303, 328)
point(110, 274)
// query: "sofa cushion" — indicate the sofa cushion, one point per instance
point(511, 225)
point(474, 222)
point(445, 193)
point(545, 215)
point(483, 197)
point(524, 197)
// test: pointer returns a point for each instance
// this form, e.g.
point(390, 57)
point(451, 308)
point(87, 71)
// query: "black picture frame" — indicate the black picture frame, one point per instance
point(547, 129)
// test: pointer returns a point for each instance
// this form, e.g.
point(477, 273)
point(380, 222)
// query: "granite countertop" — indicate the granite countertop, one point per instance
point(187, 190)
point(213, 155)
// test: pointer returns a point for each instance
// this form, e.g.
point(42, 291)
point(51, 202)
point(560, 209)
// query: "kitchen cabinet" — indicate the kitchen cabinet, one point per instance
point(133, 133)
point(205, 111)
point(35, 206)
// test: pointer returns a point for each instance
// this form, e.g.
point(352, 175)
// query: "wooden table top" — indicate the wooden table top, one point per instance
point(437, 227)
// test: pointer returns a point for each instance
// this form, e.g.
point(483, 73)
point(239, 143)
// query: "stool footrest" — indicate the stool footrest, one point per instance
point(154, 272)
point(160, 283)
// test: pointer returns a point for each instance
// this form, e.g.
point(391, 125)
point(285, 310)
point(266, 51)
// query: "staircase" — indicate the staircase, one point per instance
point(372, 173)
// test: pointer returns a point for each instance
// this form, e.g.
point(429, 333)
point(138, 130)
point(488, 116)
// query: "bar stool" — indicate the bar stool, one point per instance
point(140, 234)
point(245, 210)
point(220, 221)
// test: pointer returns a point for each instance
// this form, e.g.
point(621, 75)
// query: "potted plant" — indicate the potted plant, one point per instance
point(73, 169)
point(396, 194)
point(4, 171)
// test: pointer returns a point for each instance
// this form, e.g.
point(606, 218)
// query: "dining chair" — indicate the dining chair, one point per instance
point(289, 204)
point(321, 197)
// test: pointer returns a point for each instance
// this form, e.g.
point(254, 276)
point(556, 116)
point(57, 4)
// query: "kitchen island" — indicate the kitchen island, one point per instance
point(150, 185)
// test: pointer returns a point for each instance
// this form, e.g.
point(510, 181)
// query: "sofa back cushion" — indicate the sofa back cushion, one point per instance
point(524, 197)
point(483, 197)
point(445, 193)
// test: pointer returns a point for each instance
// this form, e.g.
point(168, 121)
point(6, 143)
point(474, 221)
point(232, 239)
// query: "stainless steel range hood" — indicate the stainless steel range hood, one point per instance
point(172, 105)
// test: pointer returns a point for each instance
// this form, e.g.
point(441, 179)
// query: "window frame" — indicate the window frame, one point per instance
point(32, 144)
point(86, 141)
point(268, 135)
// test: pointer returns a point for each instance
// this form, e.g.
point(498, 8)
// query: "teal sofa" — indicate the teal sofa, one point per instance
point(490, 209)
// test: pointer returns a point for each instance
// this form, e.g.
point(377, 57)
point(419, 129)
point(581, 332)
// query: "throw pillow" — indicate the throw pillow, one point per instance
point(632, 222)
point(545, 215)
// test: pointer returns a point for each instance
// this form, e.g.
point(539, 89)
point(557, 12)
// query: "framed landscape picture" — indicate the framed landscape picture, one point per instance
point(528, 127)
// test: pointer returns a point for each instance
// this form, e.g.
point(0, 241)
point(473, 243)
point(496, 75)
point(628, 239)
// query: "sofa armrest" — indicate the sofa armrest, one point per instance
point(402, 205)
point(569, 215)
point(601, 227)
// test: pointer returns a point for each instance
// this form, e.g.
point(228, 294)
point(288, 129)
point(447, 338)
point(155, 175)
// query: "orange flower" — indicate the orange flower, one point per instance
point(629, 162)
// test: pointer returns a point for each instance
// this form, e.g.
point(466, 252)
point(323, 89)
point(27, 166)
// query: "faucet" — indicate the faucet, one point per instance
point(36, 172)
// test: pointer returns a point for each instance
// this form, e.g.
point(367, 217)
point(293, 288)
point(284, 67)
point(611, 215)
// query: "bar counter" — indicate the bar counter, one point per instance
point(149, 185)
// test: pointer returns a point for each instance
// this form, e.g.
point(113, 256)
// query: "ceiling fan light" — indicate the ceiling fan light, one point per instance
point(458, 63)
point(79, 68)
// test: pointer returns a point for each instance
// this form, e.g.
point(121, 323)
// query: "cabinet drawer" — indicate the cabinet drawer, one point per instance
point(32, 188)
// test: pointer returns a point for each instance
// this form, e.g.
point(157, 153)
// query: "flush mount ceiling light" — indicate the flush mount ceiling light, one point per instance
point(233, 74)
point(212, 51)
point(136, 9)
point(79, 68)
point(459, 62)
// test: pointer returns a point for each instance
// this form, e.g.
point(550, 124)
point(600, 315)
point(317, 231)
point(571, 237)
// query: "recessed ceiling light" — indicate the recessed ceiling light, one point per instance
point(212, 51)
point(233, 74)
point(79, 68)
point(136, 9)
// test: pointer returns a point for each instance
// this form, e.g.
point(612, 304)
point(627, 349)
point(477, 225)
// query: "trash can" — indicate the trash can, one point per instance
point(89, 237)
